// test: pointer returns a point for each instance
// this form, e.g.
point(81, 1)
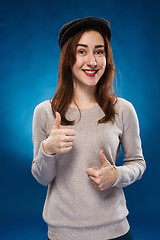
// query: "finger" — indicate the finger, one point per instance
point(69, 132)
point(67, 149)
point(57, 121)
point(69, 138)
point(92, 172)
point(104, 160)
point(93, 179)
point(95, 182)
point(68, 144)
point(95, 185)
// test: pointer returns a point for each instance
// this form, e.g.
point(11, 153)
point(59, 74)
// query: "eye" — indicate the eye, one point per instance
point(100, 52)
point(81, 51)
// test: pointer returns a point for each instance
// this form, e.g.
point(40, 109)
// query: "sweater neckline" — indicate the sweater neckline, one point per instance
point(84, 109)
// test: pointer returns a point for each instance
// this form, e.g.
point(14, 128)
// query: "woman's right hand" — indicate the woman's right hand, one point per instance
point(59, 140)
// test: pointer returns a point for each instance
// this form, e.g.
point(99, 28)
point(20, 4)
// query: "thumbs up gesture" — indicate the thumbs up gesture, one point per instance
point(59, 140)
point(103, 177)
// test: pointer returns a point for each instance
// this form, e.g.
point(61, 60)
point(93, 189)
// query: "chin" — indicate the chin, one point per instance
point(92, 84)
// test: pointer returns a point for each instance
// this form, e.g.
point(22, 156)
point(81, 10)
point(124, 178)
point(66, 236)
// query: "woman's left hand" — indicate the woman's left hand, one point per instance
point(103, 177)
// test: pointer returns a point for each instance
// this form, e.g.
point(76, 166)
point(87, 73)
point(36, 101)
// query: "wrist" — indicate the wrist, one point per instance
point(46, 148)
point(115, 175)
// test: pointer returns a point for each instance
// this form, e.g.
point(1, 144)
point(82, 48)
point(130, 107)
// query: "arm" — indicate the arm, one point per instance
point(134, 163)
point(46, 147)
point(43, 165)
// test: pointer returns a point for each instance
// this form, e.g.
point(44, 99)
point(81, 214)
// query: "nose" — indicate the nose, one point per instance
point(91, 60)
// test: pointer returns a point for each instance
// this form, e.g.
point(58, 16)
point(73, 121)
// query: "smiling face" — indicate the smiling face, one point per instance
point(90, 59)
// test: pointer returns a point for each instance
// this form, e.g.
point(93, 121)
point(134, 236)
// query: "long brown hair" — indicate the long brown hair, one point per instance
point(105, 95)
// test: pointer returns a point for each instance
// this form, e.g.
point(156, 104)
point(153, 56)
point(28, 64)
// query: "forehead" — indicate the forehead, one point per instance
point(91, 37)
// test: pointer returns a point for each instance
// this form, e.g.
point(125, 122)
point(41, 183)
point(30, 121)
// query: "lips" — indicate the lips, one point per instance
point(90, 73)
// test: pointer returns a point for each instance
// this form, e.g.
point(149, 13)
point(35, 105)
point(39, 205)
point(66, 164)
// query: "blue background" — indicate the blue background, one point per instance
point(28, 75)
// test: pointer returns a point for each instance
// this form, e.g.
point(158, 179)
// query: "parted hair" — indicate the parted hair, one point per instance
point(105, 95)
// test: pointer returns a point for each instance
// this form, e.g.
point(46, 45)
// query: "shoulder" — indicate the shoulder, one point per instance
point(43, 117)
point(43, 106)
point(123, 105)
point(126, 111)
point(43, 109)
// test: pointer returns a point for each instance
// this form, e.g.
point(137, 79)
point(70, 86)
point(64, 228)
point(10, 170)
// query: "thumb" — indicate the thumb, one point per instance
point(104, 160)
point(57, 121)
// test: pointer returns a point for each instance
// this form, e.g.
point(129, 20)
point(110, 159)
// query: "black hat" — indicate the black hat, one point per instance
point(71, 28)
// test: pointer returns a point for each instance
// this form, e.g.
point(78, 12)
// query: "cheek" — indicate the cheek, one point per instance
point(102, 63)
point(78, 63)
point(76, 67)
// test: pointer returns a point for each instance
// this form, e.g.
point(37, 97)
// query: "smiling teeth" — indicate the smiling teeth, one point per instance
point(90, 72)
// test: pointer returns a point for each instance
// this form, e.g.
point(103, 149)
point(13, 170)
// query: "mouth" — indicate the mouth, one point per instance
point(90, 73)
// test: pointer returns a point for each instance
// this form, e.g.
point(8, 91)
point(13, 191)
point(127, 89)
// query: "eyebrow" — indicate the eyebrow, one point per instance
point(84, 45)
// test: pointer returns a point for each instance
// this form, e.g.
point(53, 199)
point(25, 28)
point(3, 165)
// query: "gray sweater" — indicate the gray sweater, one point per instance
point(74, 208)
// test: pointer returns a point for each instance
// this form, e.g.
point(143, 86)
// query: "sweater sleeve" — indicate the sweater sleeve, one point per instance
point(134, 163)
point(43, 165)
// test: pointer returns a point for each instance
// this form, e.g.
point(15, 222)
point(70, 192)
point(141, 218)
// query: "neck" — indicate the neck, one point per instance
point(84, 97)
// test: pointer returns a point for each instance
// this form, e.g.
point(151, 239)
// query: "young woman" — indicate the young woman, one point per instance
point(77, 137)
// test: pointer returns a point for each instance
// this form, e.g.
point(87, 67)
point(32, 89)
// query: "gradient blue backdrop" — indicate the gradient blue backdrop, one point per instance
point(29, 69)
